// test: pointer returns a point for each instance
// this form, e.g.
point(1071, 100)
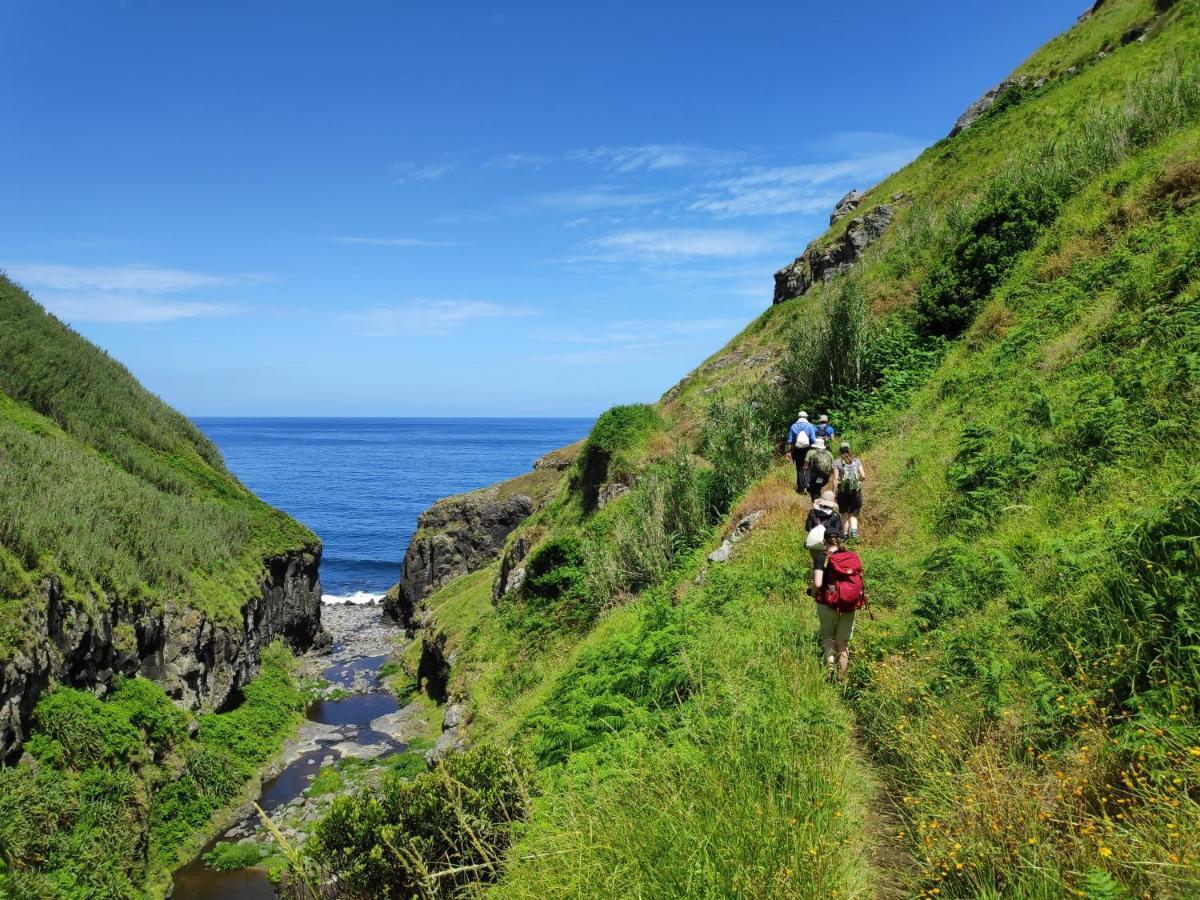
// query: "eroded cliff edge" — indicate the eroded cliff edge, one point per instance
point(462, 533)
point(200, 662)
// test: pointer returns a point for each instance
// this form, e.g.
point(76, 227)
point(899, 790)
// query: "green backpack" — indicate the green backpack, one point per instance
point(821, 461)
point(851, 478)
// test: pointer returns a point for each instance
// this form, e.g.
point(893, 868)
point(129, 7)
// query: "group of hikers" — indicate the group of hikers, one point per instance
point(835, 485)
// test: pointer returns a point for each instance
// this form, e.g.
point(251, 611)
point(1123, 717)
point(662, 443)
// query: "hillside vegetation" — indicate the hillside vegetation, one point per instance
point(106, 487)
point(119, 500)
point(1016, 359)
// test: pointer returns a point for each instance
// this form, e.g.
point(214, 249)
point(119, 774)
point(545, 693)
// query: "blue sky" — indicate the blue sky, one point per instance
point(359, 208)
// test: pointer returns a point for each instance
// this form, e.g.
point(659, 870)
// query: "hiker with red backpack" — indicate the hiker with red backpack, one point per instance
point(823, 516)
point(839, 597)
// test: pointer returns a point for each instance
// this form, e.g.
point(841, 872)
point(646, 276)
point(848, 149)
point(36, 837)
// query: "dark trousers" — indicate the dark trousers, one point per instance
point(816, 484)
point(801, 473)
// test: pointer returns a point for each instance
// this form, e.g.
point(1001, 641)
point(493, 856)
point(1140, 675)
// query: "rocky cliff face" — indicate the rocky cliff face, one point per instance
point(198, 662)
point(821, 264)
point(454, 536)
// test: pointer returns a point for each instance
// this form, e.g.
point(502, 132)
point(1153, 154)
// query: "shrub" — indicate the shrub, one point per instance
point(427, 836)
point(77, 730)
point(145, 705)
point(987, 473)
point(606, 454)
point(736, 439)
point(1007, 222)
point(613, 687)
point(226, 857)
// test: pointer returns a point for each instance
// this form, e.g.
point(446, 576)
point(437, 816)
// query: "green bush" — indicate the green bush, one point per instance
point(988, 473)
point(619, 685)
point(736, 439)
point(76, 730)
point(227, 857)
point(427, 836)
point(606, 455)
point(1007, 222)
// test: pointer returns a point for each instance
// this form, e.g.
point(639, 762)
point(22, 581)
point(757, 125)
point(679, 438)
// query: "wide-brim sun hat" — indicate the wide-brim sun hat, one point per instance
point(803, 414)
point(844, 446)
point(824, 418)
point(819, 443)
point(826, 501)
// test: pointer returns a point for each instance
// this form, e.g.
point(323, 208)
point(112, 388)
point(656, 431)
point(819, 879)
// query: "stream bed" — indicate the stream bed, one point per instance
point(367, 723)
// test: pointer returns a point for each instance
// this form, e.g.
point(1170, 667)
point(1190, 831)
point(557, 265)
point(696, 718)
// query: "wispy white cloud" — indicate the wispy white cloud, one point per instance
point(684, 243)
point(407, 172)
point(656, 157)
point(136, 293)
point(391, 242)
point(131, 309)
point(803, 189)
point(426, 317)
point(596, 198)
point(135, 278)
point(518, 160)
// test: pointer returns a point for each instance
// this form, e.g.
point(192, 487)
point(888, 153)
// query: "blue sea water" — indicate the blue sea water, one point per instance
point(361, 483)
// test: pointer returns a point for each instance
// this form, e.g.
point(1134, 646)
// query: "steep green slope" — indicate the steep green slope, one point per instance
point(109, 489)
point(1016, 359)
point(127, 549)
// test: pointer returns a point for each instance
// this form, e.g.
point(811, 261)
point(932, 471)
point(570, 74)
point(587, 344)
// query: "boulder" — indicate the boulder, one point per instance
point(845, 206)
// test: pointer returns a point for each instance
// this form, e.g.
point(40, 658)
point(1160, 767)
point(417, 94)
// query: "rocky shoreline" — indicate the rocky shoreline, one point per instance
point(342, 725)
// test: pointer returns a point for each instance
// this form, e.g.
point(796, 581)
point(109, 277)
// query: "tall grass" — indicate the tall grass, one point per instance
point(755, 792)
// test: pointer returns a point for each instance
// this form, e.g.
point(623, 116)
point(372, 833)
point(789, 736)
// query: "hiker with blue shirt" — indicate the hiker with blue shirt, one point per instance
point(825, 431)
point(800, 438)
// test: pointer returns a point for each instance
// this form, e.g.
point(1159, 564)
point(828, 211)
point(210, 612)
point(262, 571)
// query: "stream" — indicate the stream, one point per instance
point(367, 723)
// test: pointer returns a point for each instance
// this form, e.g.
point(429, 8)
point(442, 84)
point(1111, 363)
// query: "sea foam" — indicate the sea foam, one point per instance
point(357, 598)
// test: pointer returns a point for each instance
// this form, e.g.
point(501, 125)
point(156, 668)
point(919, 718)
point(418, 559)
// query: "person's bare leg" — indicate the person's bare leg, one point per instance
point(829, 652)
point(854, 525)
point(843, 657)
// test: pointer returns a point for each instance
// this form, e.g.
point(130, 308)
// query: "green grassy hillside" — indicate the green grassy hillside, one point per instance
point(108, 488)
point(1016, 360)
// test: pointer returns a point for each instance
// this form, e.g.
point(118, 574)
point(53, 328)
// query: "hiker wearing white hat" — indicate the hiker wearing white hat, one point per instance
point(799, 440)
point(818, 466)
point(823, 518)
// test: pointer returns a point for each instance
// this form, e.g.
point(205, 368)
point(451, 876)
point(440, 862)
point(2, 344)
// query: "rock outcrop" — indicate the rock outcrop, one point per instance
point(454, 536)
point(199, 662)
point(821, 264)
point(984, 103)
point(845, 206)
point(511, 574)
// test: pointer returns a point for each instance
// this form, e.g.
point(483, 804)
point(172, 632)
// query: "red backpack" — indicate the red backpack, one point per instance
point(843, 587)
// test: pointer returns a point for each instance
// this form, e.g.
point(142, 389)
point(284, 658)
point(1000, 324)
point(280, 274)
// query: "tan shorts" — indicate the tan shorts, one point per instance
point(836, 625)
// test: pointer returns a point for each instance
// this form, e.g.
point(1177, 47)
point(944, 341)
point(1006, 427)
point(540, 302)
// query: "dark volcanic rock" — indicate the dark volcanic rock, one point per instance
point(816, 264)
point(454, 536)
point(199, 662)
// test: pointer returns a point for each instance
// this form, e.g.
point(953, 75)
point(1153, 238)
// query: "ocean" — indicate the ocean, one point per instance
point(361, 483)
